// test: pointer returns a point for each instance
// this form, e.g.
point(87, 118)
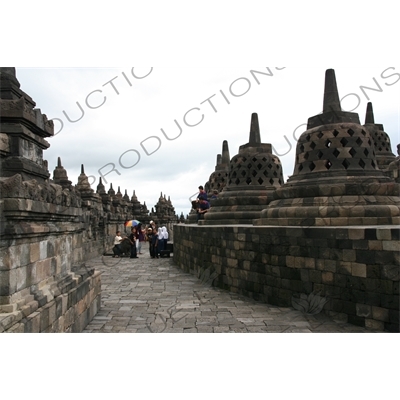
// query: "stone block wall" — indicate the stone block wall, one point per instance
point(356, 268)
point(45, 234)
point(74, 306)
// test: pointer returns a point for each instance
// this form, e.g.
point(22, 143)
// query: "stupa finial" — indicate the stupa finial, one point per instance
point(331, 95)
point(370, 118)
point(255, 137)
point(225, 153)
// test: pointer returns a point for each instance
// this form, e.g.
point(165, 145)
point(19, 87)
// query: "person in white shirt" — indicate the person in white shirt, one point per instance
point(117, 245)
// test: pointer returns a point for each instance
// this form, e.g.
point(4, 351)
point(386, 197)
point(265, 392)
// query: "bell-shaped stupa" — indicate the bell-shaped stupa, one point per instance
point(254, 174)
point(336, 180)
point(219, 178)
point(381, 140)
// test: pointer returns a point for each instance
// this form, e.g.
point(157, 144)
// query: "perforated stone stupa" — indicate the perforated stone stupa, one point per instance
point(254, 174)
point(219, 178)
point(336, 179)
point(383, 147)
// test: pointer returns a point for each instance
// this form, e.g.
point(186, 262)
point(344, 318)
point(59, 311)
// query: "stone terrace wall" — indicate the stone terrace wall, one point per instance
point(357, 268)
point(76, 302)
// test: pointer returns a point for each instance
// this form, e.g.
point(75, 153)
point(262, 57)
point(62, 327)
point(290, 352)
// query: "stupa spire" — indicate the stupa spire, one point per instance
point(225, 152)
point(331, 95)
point(370, 118)
point(255, 137)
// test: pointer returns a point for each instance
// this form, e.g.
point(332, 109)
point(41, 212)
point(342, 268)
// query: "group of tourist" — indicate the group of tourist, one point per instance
point(157, 239)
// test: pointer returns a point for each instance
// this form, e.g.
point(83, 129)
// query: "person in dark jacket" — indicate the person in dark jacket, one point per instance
point(132, 238)
point(154, 244)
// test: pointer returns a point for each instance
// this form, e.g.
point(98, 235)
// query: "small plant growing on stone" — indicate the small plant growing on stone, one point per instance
point(312, 304)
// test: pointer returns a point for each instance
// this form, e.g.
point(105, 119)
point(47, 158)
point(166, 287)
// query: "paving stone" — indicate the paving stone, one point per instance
point(158, 297)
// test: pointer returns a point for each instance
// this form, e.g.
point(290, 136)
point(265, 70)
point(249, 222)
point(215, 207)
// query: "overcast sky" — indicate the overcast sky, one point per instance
point(118, 132)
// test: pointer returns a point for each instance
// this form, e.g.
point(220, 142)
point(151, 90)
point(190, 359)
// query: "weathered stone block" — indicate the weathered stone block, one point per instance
point(356, 234)
point(375, 245)
point(349, 255)
point(359, 270)
point(383, 234)
point(34, 252)
point(391, 245)
point(373, 324)
point(327, 278)
point(315, 276)
point(380, 314)
point(364, 310)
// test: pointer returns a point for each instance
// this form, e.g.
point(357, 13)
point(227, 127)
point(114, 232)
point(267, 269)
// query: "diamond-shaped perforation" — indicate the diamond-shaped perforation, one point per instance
point(313, 145)
point(328, 165)
point(336, 153)
point(352, 152)
point(335, 133)
point(312, 166)
point(271, 181)
point(346, 164)
point(328, 143)
point(344, 142)
point(362, 164)
point(320, 154)
point(351, 132)
point(320, 135)
point(359, 141)
point(366, 152)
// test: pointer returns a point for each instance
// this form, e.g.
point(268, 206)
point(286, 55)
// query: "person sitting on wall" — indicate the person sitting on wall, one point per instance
point(214, 195)
point(202, 193)
point(203, 208)
point(117, 250)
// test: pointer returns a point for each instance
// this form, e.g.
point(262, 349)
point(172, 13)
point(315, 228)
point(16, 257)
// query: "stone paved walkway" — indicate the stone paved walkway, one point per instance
point(154, 296)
